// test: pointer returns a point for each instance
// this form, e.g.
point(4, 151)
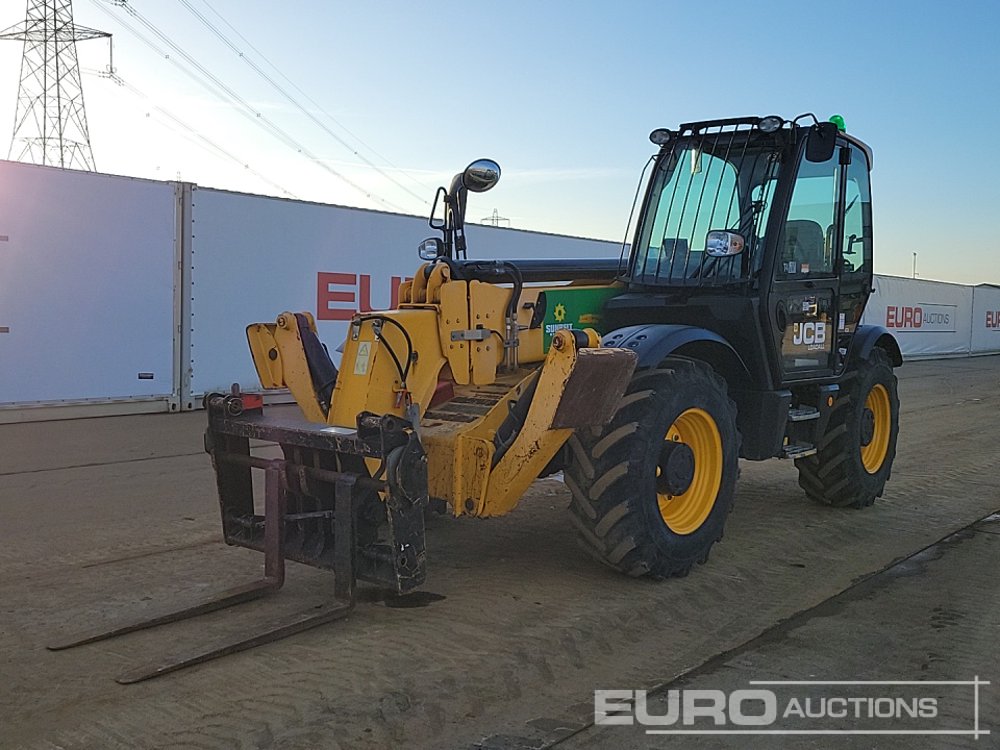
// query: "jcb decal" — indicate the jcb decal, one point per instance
point(809, 333)
point(340, 295)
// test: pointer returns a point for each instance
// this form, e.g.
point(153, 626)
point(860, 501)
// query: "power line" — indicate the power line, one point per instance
point(204, 139)
point(233, 97)
point(315, 104)
point(214, 85)
point(291, 99)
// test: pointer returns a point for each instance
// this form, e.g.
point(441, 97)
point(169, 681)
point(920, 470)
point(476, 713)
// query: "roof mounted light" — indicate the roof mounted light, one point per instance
point(660, 136)
point(770, 124)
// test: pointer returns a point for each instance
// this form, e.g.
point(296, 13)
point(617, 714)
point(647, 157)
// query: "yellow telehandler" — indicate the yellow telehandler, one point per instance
point(731, 330)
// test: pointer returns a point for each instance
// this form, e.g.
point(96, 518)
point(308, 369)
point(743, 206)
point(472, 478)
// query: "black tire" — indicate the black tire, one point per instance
point(613, 475)
point(836, 475)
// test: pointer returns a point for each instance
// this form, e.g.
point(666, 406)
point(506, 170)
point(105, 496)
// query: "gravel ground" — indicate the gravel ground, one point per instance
point(102, 515)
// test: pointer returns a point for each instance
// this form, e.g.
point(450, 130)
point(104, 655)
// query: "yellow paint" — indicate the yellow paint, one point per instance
point(453, 475)
point(873, 455)
point(418, 290)
point(440, 274)
point(685, 513)
point(289, 368)
point(593, 338)
point(405, 291)
point(266, 357)
point(453, 315)
point(536, 443)
point(487, 310)
point(371, 382)
point(460, 453)
point(471, 474)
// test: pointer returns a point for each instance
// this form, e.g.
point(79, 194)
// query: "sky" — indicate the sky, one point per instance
point(374, 104)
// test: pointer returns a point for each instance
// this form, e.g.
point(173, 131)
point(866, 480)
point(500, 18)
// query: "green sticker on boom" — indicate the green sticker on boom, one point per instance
point(574, 307)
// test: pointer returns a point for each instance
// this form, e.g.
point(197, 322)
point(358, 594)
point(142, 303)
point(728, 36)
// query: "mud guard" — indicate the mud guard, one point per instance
point(655, 342)
point(867, 338)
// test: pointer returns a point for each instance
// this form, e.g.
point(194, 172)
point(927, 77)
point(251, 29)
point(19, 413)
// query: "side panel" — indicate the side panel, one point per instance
point(928, 318)
point(86, 288)
point(985, 319)
point(255, 256)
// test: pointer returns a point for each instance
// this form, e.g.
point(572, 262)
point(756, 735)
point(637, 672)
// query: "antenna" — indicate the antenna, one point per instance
point(51, 123)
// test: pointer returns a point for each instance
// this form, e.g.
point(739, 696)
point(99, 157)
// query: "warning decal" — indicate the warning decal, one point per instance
point(361, 361)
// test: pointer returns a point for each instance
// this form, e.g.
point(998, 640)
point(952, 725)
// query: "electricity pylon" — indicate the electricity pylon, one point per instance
point(50, 123)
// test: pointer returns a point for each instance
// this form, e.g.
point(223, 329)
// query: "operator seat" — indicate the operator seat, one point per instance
point(804, 243)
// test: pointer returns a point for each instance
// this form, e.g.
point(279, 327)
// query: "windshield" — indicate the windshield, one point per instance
point(719, 181)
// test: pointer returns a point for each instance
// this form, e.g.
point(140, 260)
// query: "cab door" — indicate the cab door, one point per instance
point(804, 304)
point(856, 271)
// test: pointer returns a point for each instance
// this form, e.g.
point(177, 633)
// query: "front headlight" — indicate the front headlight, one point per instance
point(660, 136)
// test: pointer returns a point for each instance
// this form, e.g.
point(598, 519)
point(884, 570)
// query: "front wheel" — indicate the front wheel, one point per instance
point(651, 493)
point(854, 457)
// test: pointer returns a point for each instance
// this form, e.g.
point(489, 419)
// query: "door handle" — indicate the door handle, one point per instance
point(781, 316)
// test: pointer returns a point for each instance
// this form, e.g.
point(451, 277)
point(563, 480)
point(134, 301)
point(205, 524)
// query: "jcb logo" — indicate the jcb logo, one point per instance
point(809, 333)
point(340, 295)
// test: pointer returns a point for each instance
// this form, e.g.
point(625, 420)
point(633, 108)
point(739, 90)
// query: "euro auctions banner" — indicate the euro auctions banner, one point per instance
point(985, 319)
point(928, 318)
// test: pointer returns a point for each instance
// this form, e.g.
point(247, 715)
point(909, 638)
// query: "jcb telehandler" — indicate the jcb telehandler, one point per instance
point(731, 330)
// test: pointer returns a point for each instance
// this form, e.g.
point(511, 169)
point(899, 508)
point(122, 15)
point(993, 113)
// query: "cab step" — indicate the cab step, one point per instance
point(798, 450)
point(802, 413)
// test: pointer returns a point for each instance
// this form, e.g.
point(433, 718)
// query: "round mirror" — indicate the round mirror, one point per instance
point(481, 175)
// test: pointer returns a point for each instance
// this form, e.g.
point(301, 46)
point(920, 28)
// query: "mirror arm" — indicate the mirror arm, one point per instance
point(460, 197)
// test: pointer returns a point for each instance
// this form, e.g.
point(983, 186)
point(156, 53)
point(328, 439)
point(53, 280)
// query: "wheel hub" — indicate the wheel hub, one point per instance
point(867, 426)
point(676, 469)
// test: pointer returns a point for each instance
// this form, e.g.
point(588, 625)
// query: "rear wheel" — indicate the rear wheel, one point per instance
point(651, 493)
point(855, 455)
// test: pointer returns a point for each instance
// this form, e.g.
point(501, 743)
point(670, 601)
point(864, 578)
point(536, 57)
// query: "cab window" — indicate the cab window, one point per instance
point(807, 240)
point(857, 252)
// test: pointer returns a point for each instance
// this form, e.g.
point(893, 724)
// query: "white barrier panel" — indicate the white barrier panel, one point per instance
point(86, 287)
point(254, 257)
point(91, 295)
point(985, 319)
point(928, 318)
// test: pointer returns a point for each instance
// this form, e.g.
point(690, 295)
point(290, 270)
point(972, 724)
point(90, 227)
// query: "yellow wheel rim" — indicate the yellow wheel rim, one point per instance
point(873, 455)
point(685, 513)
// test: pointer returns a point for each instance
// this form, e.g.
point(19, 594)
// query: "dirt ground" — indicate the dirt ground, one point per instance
point(99, 516)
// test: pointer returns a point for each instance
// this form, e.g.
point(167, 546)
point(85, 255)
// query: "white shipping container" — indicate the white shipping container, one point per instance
point(985, 319)
point(126, 295)
point(86, 287)
point(928, 318)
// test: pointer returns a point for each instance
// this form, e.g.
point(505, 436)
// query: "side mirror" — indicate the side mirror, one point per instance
point(721, 244)
point(822, 142)
point(430, 249)
point(481, 175)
